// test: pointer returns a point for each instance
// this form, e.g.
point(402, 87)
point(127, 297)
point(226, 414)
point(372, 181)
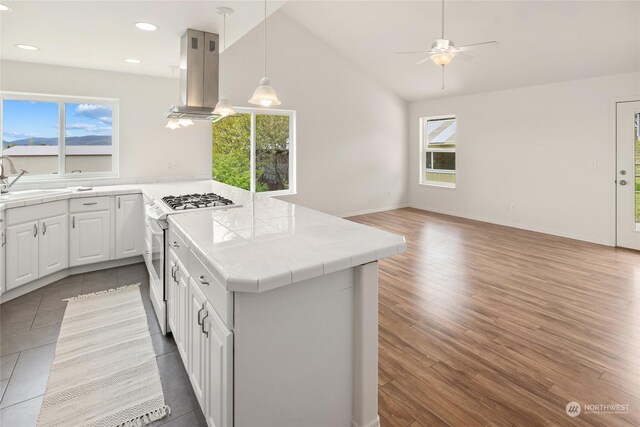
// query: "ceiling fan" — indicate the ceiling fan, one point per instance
point(443, 51)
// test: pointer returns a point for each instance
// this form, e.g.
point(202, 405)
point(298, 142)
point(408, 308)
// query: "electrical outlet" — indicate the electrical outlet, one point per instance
point(512, 206)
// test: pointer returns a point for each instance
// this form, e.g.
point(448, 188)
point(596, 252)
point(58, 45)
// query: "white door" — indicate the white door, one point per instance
point(196, 344)
point(53, 245)
point(219, 375)
point(628, 174)
point(22, 254)
point(181, 309)
point(172, 302)
point(89, 238)
point(129, 225)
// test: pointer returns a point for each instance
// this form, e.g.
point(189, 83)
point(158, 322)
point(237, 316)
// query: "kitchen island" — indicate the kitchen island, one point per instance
point(274, 310)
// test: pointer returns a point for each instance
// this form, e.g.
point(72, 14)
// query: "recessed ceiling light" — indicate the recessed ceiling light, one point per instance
point(132, 61)
point(145, 26)
point(4, 8)
point(27, 47)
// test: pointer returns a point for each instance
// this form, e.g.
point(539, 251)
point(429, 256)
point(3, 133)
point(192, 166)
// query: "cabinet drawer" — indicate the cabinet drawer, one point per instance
point(89, 204)
point(176, 243)
point(217, 295)
point(36, 212)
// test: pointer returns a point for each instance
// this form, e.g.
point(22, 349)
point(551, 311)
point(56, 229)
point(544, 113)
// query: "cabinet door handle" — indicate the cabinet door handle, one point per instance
point(118, 202)
point(174, 245)
point(4, 239)
point(202, 324)
point(200, 311)
point(90, 204)
point(44, 228)
point(35, 230)
point(204, 282)
point(73, 222)
point(173, 273)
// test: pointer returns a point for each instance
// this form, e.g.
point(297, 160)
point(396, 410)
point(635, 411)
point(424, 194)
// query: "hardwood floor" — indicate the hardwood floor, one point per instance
point(487, 325)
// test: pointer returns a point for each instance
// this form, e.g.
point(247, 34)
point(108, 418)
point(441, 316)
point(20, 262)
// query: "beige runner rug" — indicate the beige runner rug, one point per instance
point(104, 372)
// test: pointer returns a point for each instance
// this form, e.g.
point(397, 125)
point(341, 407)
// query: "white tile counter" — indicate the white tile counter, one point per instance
point(268, 243)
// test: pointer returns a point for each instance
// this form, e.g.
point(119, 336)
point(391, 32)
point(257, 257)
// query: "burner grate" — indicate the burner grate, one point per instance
point(195, 201)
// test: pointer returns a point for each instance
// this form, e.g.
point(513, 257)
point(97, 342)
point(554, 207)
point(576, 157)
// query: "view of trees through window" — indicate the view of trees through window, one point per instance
point(232, 145)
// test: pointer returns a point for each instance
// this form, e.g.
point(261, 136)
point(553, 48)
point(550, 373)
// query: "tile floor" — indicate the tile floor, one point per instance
point(29, 327)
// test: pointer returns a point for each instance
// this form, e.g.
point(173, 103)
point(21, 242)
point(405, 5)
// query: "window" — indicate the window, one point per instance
point(254, 150)
point(438, 148)
point(58, 136)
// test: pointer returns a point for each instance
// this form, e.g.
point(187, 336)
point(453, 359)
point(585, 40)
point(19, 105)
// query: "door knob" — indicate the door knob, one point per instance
point(623, 182)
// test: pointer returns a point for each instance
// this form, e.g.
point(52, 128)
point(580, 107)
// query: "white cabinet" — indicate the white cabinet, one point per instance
point(22, 254)
point(218, 354)
point(129, 219)
point(182, 312)
point(197, 342)
point(35, 242)
point(89, 237)
point(177, 304)
point(53, 249)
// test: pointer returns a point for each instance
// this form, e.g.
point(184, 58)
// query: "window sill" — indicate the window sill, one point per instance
point(276, 193)
point(439, 185)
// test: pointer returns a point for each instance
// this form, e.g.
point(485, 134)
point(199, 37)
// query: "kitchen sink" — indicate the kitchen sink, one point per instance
point(30, 194)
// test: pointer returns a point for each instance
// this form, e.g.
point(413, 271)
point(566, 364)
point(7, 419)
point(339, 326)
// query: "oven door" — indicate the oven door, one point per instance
point(155, 257)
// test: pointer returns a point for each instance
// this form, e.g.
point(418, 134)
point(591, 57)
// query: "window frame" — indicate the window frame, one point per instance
point(425, 149)
point(61, 101)
point(292, 148)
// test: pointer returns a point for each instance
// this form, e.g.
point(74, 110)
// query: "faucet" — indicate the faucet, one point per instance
point(4, 180)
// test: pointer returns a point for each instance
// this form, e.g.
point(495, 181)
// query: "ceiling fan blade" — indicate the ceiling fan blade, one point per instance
point(474, 45)
point(464, 56)
point(422, 61)
point(412, 52)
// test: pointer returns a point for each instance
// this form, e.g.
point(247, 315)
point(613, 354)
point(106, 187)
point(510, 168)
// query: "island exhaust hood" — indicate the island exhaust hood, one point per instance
point(199, 72)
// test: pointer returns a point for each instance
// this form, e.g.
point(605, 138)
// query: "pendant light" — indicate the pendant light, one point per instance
point(224, 107)
point(265, 95)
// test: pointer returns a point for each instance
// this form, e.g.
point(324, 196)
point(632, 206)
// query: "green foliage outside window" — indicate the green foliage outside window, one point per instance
point(232, 151)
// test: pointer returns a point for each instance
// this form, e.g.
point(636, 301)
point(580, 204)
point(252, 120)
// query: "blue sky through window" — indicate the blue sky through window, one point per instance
point(35, 120)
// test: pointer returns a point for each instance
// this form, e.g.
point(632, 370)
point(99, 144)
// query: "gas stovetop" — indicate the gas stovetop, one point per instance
point(195, 201)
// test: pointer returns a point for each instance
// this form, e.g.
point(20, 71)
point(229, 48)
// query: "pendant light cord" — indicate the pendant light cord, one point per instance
point(224, 46)
point(442, 19)
point(265, 38)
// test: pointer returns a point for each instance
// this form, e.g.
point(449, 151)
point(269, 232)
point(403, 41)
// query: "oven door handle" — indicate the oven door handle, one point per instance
point(154, 227)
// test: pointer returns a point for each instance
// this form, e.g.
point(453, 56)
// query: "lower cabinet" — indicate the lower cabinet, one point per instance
point(53, 245)
point(210, 359)
point(89, 238)
point(218, 355)
point(197, 343)
point(35, 249)
point(22, 254)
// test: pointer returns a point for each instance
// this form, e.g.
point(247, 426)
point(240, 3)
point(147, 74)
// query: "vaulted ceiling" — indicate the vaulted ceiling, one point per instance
point(540, 41)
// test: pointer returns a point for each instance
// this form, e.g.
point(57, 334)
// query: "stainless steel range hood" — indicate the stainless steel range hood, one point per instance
point(199, 72)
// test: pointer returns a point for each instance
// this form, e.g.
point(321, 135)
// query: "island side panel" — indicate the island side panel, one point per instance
point(365, 348)
point(293, 354)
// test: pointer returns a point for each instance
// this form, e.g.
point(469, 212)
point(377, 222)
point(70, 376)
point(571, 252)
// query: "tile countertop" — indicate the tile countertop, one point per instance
point(264, 244)
point(268, 243)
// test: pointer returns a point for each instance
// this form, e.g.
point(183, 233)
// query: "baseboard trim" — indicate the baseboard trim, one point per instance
point(374, 210)
point(514, 225)
point(374, 423)
point(47, 280)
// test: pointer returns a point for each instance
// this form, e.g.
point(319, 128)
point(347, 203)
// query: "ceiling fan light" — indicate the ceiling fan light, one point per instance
point(224, 108)
point(265, 95)
point(443, 58)
point(172, 124)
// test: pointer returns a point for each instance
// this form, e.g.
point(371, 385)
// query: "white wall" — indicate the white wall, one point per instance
point(351, 131)
point(549, 149)
point(146, 146)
